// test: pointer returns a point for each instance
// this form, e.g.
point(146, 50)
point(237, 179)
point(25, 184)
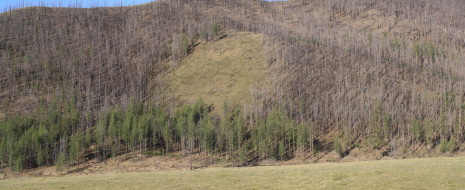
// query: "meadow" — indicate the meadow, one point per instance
point(429, 173)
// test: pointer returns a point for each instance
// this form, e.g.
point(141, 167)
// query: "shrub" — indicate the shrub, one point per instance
point(370, 37)
point(282, 150)
point(215, 29)
point(185, 45)
point(430, 132)
point(338, 147)
point(452, 145)
point(427, 50)
point(418, 130)
point(375, 142)
point(448, 146)
point(443, 146)
point(61, 163)
point(379, 123)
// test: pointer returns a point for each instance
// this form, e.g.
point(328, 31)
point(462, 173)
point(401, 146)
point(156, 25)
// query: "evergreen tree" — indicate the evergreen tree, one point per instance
point(101, 135)
point(61, 163)
point(76, 146)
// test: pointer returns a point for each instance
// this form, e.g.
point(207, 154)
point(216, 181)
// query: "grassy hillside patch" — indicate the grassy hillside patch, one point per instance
point(435, 173)
point(224, 70)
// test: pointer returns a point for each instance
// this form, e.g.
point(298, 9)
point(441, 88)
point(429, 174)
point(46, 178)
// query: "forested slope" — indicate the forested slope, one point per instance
point(93, 83)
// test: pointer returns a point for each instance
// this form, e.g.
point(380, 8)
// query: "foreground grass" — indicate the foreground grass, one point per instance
point(436, 173)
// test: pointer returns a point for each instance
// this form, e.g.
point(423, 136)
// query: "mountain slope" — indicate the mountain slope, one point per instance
point(332, 75)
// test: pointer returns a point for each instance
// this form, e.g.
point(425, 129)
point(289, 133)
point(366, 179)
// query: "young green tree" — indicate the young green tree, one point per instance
point(208, 133)
point(42, 152)
point(127, 128)
point(61, 163)
point(114, 132)
point(376, 128)
point(418, 131)
point(76, 147)
point(101, 135)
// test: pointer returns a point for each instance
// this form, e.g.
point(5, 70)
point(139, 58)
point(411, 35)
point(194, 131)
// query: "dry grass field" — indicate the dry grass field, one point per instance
point(225, 70)
point(431, 173)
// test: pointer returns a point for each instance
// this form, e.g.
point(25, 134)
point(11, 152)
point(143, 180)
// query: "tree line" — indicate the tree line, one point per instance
point(52, 136)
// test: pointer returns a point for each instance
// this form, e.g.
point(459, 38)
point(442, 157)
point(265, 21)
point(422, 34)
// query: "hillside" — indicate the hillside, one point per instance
point(242, 82)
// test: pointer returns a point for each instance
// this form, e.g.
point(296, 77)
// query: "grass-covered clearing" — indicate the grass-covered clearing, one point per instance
point(431, 173)
point(224, 70)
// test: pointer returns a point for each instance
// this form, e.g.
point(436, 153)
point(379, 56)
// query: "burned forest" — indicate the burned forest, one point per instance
point(383, 76)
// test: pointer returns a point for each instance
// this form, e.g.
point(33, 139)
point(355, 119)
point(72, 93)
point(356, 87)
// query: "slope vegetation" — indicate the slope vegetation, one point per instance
point(224, 71)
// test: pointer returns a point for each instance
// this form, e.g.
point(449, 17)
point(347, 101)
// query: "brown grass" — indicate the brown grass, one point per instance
point(225, 70)
point(431, 173)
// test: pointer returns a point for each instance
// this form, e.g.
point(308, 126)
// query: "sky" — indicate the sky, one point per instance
point(6, 4)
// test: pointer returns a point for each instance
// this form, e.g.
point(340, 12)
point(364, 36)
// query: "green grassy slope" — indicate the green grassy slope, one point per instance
point(431, 173)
